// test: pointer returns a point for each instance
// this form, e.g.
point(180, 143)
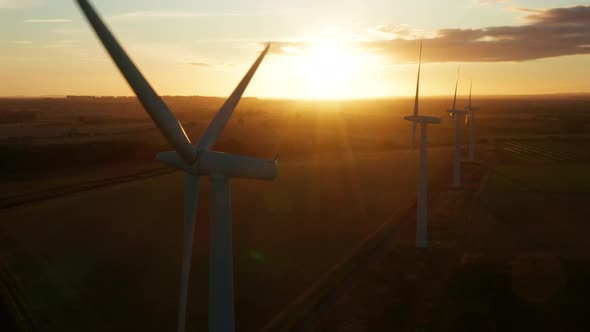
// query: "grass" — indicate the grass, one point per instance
point(517, 259)
point(545, 204)
point(484, 296)
point(566, 178)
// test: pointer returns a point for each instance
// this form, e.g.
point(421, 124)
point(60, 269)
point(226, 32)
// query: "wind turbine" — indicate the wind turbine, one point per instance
point(470, 119)
point(197, 160)
point(456, 115)
point(422, 212)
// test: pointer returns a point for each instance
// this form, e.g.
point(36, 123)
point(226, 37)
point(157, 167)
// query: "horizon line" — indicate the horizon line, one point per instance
point(59, 96)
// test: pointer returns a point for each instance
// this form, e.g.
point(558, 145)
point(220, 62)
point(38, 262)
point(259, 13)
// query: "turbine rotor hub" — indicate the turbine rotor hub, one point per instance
point(230, 165)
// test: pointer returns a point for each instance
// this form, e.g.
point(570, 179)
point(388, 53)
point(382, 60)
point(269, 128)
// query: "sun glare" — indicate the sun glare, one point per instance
point(328, 70)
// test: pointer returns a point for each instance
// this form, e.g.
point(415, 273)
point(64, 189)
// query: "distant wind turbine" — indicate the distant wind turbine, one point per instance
point(197, 160)
point(456, 115)
point(471, 119)
point(422, 210)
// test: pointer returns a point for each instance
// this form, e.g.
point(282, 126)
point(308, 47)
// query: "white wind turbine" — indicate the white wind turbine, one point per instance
point(456, 115)
point(470, 119)
point(422, 211)
point(195, 161)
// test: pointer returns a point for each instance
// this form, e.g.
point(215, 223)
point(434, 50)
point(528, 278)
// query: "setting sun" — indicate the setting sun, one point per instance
point(328, 70)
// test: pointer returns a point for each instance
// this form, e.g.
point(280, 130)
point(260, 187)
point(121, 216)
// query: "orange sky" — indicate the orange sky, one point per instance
point(360, 49)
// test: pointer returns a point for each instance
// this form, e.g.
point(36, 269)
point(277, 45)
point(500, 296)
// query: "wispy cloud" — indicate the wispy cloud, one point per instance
point(23, 42)
point(212, 65)
point(67, 31)
point(487, 3)
point(62, 44)
point(161, 15)
point(164, 53)
point(199, 64)
point(51, 20)
point(577, 15)
point(398, 31)
point(545, 33)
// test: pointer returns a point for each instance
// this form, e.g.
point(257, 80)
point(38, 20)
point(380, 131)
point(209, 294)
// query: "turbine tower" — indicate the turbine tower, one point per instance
point(197, 160)
point(456, 115)
point(470, 119)
point(422, 212)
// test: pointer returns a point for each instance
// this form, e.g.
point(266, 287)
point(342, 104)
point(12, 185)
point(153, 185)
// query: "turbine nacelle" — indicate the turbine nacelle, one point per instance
point(422, 119)
point(230, 165)
point(456, 111)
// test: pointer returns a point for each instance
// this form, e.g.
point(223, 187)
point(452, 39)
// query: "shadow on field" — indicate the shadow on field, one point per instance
point(7, 321)
point(541, 293)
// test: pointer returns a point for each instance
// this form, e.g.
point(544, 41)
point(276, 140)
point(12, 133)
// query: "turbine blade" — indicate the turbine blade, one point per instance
point(153, 104)
point(417, 86)
point(456, 85)
point(413, 139)
point(191, 193)
point(220, 120)
point(466, 118)
point(221, 275)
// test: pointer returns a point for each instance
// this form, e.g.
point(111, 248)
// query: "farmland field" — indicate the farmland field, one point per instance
point(510, 254)
point(109, 258)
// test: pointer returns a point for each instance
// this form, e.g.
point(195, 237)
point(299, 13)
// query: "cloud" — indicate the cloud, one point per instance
point(23, 42)
point(545, 33)
point(161, 15)
point(199, 64)
point(53, 20)
point(212, 65)
point(487, 3)
point(67, 43)
point(67, 31)
point(166, 54)
point(391, 31)
point(561, 16)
